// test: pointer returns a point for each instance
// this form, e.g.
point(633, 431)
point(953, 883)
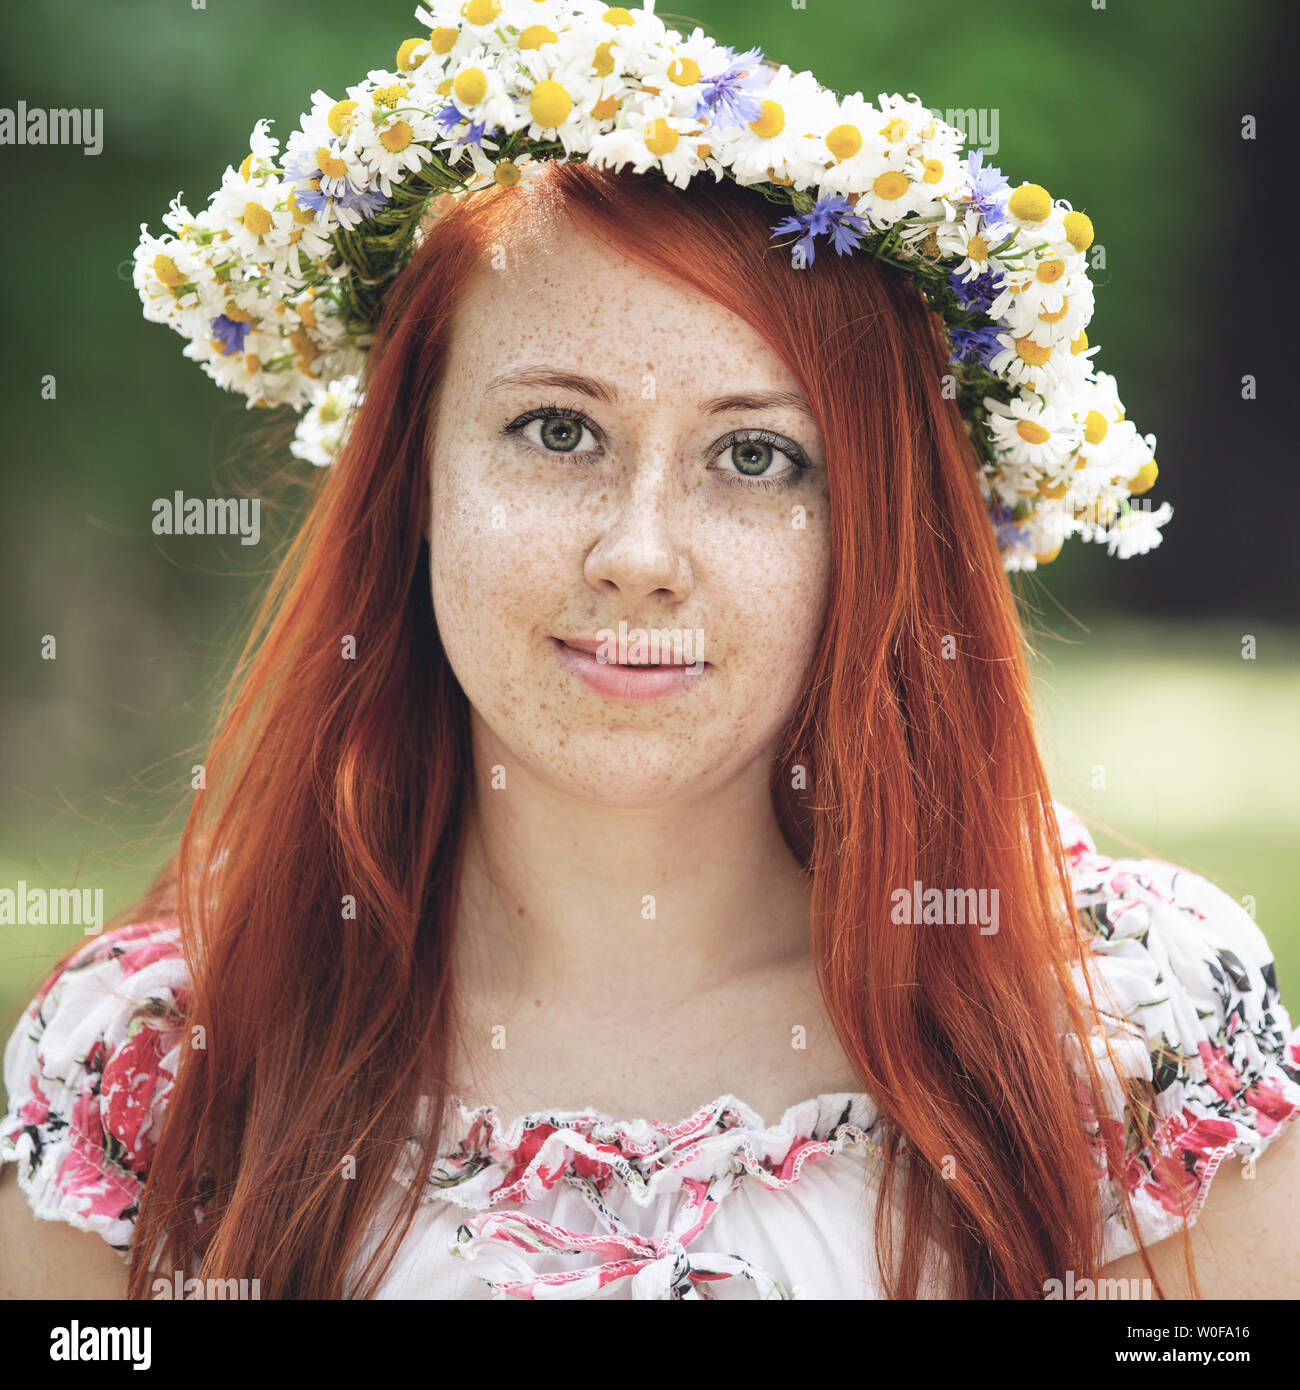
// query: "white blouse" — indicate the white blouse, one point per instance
point(722, 1204)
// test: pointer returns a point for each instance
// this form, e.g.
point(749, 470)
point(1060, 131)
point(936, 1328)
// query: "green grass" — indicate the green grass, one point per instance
point(1198, 750)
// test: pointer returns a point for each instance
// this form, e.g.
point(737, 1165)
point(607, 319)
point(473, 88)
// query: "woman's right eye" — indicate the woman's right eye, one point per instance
point(556, 430)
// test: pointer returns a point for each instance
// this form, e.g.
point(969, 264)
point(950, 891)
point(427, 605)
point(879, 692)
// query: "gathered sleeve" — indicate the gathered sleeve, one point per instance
point(1189, 996)
point(88, 1071)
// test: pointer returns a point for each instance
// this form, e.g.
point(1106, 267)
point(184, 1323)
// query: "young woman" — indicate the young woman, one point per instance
point(512, 952)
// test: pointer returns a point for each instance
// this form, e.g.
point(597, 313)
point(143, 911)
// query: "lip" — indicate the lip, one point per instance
point(632, 683)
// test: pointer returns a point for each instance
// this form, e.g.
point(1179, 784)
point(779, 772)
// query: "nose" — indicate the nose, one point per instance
point(641, 551)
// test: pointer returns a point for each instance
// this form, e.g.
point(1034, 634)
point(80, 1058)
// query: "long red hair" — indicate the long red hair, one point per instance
point(330, 778)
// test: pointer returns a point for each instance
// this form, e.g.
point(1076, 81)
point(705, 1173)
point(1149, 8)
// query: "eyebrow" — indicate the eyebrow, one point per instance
point(600, 390)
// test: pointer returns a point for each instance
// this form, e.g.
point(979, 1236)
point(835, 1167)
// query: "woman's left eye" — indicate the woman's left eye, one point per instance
point(752, 455)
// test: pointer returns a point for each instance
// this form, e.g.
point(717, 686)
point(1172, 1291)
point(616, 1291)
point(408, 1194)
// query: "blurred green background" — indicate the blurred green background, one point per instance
point(1133, 111)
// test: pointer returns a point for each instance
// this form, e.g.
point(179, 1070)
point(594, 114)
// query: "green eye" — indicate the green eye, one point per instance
point(752, 457)
point(561, 432)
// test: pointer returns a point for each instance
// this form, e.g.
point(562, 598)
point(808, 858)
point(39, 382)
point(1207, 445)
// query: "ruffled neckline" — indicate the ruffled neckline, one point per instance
point(485, 1161)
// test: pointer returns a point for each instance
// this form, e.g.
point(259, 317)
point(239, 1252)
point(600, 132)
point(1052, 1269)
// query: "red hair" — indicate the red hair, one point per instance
point(333, 777)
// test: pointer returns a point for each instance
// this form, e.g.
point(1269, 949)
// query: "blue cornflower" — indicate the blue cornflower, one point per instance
point(980, 343)
point(300, 168)
point(727, 98)
point(977, 294)
point(230, 333)
point(1009, 534)
point(988, 189)
point(832, 216)
point(366, 201)
point(450, 115)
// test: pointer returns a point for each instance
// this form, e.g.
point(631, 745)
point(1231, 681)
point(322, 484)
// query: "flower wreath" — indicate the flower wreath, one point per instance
point(278, 283)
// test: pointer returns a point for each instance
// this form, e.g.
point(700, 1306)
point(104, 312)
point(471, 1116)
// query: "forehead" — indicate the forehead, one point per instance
point(561, 296)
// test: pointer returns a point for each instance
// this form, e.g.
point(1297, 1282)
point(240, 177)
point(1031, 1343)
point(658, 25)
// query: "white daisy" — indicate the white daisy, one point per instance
point(321, 432)
point(254, 216)
point(781, 144)
point(969, 242)
point(652, 141)
point(1025, 431)
point(398, 145)
point(1137, 531)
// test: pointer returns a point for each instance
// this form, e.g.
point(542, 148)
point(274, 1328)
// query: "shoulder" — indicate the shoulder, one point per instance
point(88, 1070)
point(1188, 996)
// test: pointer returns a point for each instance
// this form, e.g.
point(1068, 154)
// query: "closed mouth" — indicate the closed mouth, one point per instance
point(589, 647)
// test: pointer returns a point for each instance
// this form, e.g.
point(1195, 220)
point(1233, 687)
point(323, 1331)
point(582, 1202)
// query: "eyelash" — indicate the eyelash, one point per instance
point(785, 446)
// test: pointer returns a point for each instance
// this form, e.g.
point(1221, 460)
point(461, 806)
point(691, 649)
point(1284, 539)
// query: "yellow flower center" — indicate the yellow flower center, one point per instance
point(301, 215)
point(1095, 427)
point(252, 364)
point(340, 117)
point(1080, 344)
point(605, 108)
point(396, 137)
point(245, 167)
point(895, 129)
point(616, 14)
point(481, 11)
point(1049, 272)
point(405, 62)
point(771, 122)
point(506, 173)
point(1078, 230)
point(257, 219)
point(536, 35)
point(389, 96)
point(166, 270)
point(660, 137)
point(330, 164)
point(1032, 433)
point(1031, 202)
point(470, 86)
point(1055, 317)
point(235, 314)
point(549, 104)
point(603, 63)
point(890, 185)
point(302, 344)
point(1029, 351)
point(933, 171)
point(977, 248)
point(844, 141)
point(1047, 556)
point(442, 39)
point(1144, 479)
point(683, 71)
point(1054, 491)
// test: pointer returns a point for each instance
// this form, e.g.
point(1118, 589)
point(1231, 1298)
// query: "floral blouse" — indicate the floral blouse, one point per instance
point(722, 1203)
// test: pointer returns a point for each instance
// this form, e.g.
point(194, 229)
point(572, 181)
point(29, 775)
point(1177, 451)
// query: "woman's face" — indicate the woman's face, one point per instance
point(646, 499)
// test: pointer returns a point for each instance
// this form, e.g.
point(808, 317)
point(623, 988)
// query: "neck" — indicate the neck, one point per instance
point(563, 892)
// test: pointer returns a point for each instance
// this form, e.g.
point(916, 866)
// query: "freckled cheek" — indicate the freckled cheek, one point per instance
point(497, 558)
